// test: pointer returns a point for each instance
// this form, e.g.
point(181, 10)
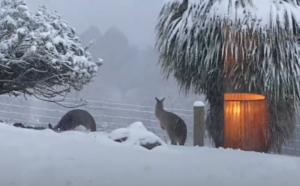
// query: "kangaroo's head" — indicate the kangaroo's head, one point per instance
point(19, 125)
point(159, 104)
point(56, 129)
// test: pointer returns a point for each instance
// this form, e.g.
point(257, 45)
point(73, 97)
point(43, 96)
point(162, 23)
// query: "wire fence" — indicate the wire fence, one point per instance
point(108, 116)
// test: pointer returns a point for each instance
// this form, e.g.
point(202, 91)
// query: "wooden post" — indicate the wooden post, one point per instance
point(199, 129)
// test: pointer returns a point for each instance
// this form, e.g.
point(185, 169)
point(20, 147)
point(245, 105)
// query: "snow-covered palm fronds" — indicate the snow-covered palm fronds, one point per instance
point(39, 50)
point(216, 46)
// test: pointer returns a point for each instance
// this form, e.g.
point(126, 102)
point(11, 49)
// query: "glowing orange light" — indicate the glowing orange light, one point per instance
point(245, 121)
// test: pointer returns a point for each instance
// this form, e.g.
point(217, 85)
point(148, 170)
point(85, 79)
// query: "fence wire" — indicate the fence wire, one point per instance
point(108, 116)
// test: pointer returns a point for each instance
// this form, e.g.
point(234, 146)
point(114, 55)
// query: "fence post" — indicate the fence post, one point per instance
point(199, 123)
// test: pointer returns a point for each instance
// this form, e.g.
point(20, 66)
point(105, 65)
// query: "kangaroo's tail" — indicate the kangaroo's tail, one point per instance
point(183, 135)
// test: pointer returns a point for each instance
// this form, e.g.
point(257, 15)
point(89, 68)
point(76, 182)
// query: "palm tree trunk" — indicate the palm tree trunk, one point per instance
point(215, 125)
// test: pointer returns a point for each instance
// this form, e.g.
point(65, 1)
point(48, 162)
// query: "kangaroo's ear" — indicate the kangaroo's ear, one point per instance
point(156, 99)
point(50, 126)
point(163, 99)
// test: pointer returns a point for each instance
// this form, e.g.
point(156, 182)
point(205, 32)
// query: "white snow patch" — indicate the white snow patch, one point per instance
point(263, 12)
point(33, 48)
point(137, 125)
point(45, 158)
point(136, 134)
point(80, 128)
point(199, 104)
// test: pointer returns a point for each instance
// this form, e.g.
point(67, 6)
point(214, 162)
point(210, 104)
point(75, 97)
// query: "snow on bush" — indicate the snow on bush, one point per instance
point(136, 134)
point(40, 49)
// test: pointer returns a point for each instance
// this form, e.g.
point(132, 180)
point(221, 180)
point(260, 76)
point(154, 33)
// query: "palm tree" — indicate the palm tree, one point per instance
point(217, 46)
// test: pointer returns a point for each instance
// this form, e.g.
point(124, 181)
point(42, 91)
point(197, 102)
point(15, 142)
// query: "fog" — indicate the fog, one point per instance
point(136, 18)
point(124, 31)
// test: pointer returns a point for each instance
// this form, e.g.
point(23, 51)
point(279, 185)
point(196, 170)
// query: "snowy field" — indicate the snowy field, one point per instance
point(76, 158)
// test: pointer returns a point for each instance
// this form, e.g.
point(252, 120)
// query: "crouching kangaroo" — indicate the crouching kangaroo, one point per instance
point(172, 124)
point(73, 119)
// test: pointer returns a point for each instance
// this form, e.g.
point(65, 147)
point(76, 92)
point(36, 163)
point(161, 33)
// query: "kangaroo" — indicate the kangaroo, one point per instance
point(73, 119)
point(172, 124)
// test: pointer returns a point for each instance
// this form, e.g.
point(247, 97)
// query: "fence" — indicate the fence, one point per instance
point(108, 116)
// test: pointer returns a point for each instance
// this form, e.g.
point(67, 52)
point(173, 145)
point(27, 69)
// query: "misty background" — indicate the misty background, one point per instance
point(124, 33)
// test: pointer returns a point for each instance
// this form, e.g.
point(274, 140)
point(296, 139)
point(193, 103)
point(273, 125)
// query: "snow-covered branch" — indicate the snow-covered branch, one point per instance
point(39, 51)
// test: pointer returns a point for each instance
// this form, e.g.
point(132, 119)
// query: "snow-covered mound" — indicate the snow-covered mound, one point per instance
point(136, 134)
point(47, 158)
point(81, 128)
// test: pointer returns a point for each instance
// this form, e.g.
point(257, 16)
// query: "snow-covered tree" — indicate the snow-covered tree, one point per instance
point(40, 54)
point(218, 46)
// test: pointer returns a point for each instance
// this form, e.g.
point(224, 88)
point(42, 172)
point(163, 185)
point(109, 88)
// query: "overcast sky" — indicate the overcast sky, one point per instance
point(136, 18)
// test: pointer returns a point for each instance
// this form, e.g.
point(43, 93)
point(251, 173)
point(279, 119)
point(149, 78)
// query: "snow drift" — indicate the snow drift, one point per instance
point(46, 158)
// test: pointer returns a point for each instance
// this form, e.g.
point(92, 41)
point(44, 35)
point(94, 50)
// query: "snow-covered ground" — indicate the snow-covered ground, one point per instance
point(46, 158)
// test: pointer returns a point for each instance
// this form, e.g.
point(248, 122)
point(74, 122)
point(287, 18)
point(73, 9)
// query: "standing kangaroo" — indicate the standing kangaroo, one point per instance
point(172, 124)
point(73, 119)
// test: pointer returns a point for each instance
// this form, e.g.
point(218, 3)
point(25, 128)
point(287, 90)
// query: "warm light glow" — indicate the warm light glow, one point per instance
point(243, 97)
point(236, 110)
point(245, 121)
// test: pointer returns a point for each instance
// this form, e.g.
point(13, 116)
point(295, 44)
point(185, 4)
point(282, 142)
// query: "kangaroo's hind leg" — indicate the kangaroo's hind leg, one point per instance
point(178, 141)
point(167, 137)
point(173, 142)
point(172, 138)
point(181, 142)
point(181, 139)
